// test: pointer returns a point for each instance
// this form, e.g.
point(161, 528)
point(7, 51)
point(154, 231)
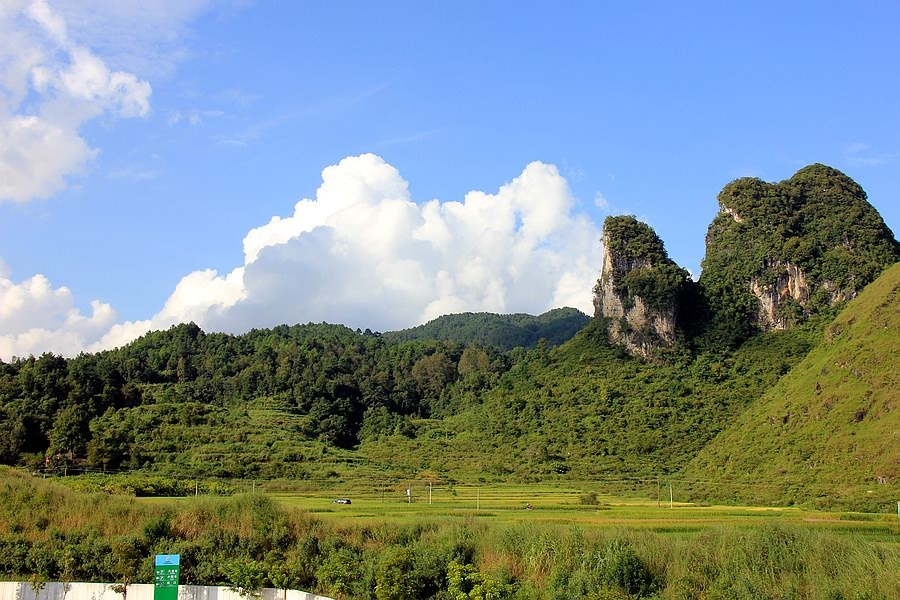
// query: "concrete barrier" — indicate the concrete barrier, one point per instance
point(17, 590)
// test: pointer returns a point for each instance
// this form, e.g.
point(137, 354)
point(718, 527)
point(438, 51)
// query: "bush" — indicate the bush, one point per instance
point(621, 567)
point(589, 499)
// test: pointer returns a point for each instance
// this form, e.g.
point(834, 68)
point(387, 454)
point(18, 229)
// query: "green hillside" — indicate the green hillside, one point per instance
point(504, 332)
point(831, 427)
point(587, 410)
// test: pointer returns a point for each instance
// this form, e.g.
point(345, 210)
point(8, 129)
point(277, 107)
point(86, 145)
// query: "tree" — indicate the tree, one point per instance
point(467, 583)
point(70, 433)
point(432, 374)
point(246, 577)
point(128, 553)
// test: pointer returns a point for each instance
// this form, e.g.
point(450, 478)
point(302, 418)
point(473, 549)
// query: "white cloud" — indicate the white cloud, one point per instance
point(36, 156)
point(35, 317)
point(363, 253)
point(64, 62)
point(193, 116)
point(49, 86)
point(144, 37)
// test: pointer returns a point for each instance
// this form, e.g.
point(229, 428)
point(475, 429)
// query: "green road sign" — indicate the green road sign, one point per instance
point(165, 582)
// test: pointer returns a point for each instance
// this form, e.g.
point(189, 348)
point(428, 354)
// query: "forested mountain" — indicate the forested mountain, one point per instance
point(504, 332)
point(477, 396)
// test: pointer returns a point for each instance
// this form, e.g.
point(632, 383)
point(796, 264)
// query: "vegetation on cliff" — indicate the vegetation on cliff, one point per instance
point(819, 222)
point(640, 267)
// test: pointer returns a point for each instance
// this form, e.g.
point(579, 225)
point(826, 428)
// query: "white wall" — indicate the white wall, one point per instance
point(12, 590)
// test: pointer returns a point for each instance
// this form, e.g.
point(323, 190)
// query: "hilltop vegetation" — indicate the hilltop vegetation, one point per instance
point(779, 252)
point(503, 332)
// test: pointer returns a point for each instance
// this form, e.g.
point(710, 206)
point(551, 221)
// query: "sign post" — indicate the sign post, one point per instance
point(165, 581)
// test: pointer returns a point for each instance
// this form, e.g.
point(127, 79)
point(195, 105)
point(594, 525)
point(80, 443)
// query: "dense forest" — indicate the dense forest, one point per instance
point(125, 408)
point(267, 404)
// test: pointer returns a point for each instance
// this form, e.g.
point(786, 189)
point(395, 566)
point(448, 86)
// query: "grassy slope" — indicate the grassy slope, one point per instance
point(831, 427)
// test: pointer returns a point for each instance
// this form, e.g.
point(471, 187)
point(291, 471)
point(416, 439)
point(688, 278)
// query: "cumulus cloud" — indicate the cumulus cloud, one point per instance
point(49, 86)
point(35, 317)
point(363, 253)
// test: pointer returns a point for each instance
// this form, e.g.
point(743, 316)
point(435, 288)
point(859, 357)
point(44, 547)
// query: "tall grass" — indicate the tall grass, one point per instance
point(773, 561)
point(54, 533)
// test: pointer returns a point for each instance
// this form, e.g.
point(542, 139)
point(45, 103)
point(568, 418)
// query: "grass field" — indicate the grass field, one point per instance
point(562, 506)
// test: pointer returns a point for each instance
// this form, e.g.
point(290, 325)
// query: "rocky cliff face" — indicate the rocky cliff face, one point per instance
point(638, 289)
point(780, 252)
point(790, 288)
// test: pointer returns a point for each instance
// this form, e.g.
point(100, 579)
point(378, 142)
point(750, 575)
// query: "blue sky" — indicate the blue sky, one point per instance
point(143, 144)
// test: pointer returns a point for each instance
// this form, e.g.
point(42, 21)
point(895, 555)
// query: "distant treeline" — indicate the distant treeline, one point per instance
point(499, 331)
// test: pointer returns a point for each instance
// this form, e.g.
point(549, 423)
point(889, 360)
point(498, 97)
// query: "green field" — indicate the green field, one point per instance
point(558, 506)
point(561, 506)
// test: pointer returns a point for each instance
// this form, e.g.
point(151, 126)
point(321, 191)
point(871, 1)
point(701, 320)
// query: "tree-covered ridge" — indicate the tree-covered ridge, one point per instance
point(503, 332)
point(814, 235)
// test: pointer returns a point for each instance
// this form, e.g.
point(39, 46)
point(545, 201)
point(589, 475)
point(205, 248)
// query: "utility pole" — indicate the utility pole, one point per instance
point(671, 504)
point(657, 491)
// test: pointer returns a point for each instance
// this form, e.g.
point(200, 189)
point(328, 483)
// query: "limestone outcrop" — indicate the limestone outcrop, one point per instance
point(778, 253)
point(639, 286)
